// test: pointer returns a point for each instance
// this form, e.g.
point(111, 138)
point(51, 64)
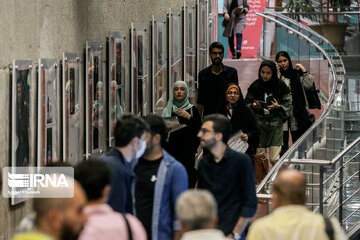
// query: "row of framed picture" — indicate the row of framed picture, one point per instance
point(76, 103)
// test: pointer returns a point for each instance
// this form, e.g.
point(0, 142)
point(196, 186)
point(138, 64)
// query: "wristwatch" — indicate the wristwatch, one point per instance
point(236, 236)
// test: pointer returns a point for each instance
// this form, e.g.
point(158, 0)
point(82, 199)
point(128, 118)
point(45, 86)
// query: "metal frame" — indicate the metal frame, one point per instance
point(159, 64)
point(190, 46)
point(17, 66)
point(202, 35)
point(139, 108)
point(71, 108)
point(327, 108)
point(47, 111)
point(93, 54)
point(175, 46)
point(116, 82)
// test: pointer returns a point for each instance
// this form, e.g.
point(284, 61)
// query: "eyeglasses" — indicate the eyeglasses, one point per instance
point(217, 53)
point(204, 130)
point(233, 93)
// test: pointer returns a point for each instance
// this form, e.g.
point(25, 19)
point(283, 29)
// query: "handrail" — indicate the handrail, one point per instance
point(343, 202)
point(322, 13)
point(344, 164)
point(327, 162)
point(302, 26)
point(327, 108)
point(344, 152)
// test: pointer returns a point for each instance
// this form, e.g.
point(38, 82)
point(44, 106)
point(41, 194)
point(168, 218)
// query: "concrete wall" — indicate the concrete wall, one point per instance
point(33, 29)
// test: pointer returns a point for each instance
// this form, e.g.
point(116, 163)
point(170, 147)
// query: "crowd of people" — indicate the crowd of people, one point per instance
point(147, 186)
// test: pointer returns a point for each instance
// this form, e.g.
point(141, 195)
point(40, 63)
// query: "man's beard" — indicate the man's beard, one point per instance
point(210, 144)
point(216, 61)
point(149, 148)
point(67, 233)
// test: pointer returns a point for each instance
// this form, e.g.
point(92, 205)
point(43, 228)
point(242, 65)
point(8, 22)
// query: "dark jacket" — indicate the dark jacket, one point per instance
point(122, 180)
point(243, 118)
point(212, 87)
point(183, 143)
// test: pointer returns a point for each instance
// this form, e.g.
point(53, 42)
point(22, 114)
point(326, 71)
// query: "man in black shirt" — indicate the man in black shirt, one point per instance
point(160, 180)
point(213, 81)
point(228, 175)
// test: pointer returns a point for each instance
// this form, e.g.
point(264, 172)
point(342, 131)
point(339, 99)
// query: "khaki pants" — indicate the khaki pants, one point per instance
point(272, 152)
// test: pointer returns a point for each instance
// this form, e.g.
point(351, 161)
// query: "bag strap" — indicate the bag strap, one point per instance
point(329, 228)
point(129, 228)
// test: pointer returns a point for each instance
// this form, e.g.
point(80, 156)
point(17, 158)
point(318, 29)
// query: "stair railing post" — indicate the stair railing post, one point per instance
point(341, 180)
point(321, 190)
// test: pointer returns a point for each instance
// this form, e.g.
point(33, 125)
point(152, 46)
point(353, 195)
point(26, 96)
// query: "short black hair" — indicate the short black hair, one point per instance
point(93, 175)
point(221, 125)
point(157, 126)
point(216, 45)
point(127, 128)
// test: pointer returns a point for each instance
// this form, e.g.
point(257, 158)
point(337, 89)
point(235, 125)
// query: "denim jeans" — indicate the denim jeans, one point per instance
point(238, 42)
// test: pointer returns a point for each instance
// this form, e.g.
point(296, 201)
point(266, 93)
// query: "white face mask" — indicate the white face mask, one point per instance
point(140, 151)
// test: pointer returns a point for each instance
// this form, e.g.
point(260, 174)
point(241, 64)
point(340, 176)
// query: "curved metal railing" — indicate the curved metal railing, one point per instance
point(333, 188)
point(335, 91)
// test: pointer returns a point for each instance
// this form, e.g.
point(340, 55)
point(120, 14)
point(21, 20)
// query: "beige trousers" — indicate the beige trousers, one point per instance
point(272, 152)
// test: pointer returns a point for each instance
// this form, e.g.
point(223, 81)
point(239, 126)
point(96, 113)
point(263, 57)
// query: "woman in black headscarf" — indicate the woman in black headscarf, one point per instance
point(241, 116)
point(270, 99)
point(299, 120)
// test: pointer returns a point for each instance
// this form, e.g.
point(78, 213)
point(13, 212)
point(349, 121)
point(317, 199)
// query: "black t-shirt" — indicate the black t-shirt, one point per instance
point(212, 87)
point(146, 173)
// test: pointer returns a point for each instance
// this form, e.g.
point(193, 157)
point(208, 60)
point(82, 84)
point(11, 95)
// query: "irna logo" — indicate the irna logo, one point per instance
point(36, 180)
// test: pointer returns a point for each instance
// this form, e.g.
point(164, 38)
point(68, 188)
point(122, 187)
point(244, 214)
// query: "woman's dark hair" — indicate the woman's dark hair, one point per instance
point(272, 66)
point(286, 55)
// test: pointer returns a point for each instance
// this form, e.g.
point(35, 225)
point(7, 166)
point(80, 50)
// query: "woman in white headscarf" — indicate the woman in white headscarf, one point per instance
point(183, 143)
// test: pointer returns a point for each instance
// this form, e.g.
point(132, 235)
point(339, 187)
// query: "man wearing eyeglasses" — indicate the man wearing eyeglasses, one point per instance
point(213, 80)
point(228, 175)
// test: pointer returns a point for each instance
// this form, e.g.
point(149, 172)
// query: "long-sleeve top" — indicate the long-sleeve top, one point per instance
point(232, 182)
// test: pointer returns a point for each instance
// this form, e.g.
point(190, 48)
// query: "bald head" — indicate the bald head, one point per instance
point(289, 187)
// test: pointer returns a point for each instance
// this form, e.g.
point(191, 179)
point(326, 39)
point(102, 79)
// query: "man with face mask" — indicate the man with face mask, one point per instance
point(213, 81)
point(130, 145)
point(160, 179)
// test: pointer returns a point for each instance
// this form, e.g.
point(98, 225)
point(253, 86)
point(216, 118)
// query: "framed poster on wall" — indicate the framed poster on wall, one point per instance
point(190, 74)
point(21, 107)
point(139, 65)
point(116, 80)
point(202, 35)
point(175, 46)
point(48, 112)
point(94, 100)
point(71, 108)
point(159, 64)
